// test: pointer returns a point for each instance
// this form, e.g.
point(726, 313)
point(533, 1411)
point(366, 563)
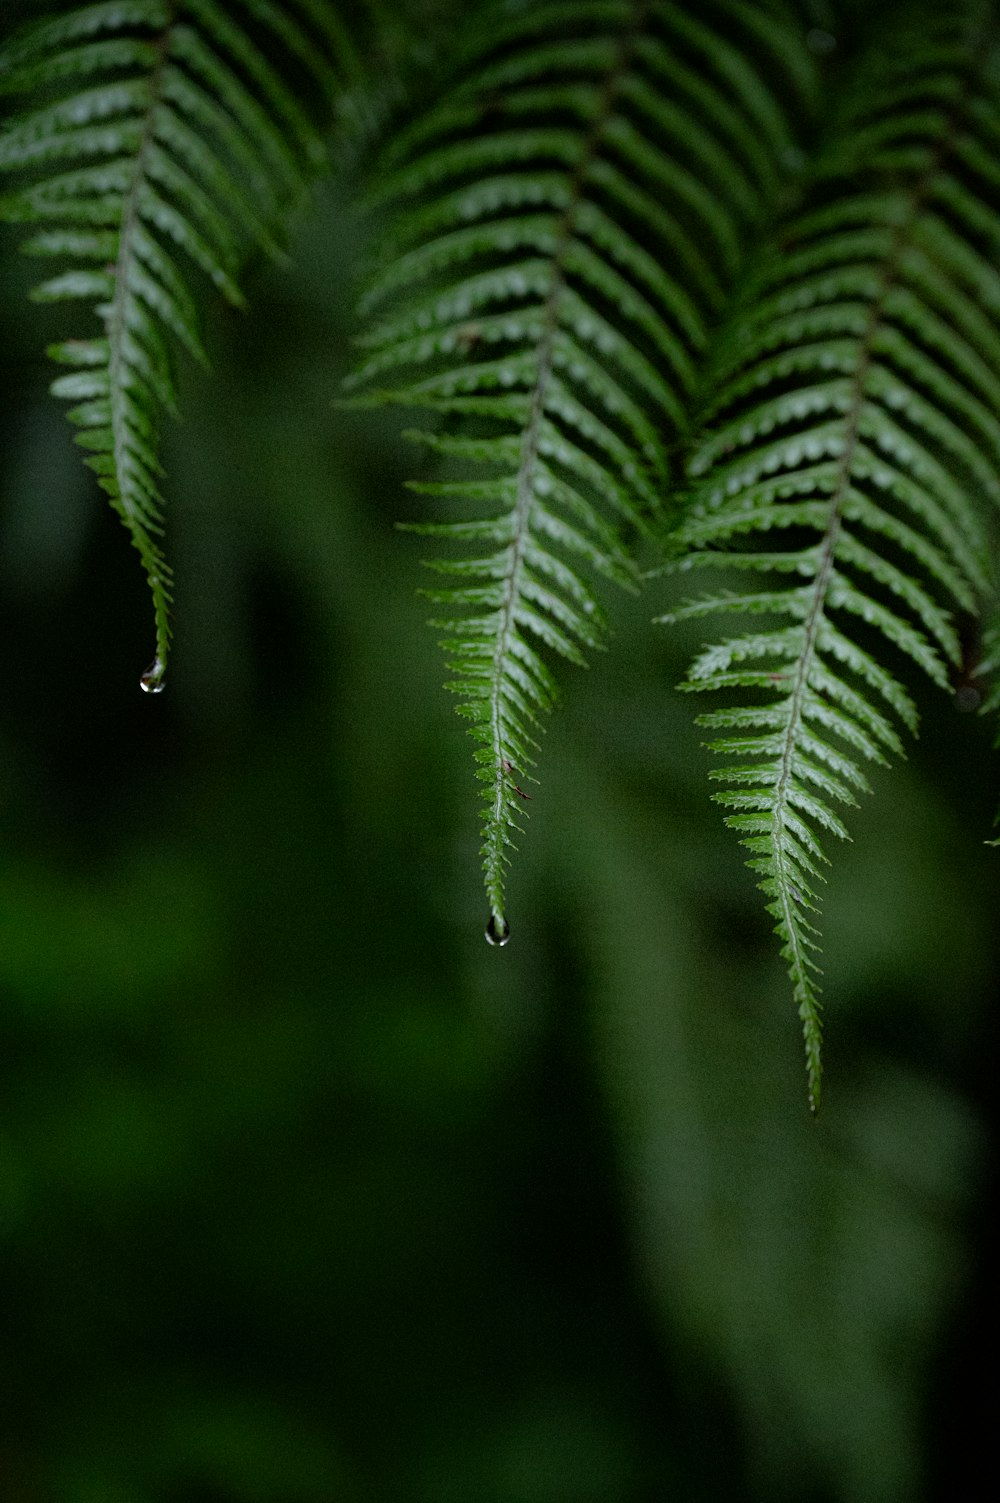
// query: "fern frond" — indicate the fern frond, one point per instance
point(172, 140)
point(565, 223)
point(852, 456)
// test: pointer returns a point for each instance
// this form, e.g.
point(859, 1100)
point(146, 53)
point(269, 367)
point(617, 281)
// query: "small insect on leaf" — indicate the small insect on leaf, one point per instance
point(508, 768)
point(468, 336)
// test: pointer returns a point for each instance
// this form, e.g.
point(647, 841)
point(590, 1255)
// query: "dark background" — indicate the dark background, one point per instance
point(306, 1194)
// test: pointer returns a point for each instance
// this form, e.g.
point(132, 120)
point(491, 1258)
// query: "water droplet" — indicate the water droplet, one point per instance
point(153, 681)
point(497, 932)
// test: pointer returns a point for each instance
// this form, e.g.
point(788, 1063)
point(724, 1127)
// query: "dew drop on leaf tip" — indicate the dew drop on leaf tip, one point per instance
point(497, 933)
point(154, 681)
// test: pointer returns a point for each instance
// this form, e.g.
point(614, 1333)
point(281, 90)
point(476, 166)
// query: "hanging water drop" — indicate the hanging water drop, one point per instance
point(154, 681)
point(497, 932)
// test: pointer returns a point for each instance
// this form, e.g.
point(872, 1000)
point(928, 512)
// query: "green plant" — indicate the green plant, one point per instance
point(669, 281)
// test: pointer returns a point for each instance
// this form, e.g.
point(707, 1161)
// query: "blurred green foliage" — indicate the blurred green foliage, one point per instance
point(308, 1195)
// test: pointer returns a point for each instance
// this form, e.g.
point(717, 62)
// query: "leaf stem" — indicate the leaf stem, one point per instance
point(117, 323)
point(789, 920)
point(525, 495)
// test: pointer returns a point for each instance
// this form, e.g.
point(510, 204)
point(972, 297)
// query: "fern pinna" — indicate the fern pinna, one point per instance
point(852, 455)
point(566, 220)
point(172, 139)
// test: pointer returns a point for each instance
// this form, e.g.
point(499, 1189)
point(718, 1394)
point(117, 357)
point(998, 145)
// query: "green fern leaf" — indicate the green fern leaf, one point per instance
point(565, 223)
point(852, 454)
point(170, 142)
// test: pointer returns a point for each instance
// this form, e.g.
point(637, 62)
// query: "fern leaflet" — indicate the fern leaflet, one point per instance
point(566, 222)
point(852, 442)
point(173, 139)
